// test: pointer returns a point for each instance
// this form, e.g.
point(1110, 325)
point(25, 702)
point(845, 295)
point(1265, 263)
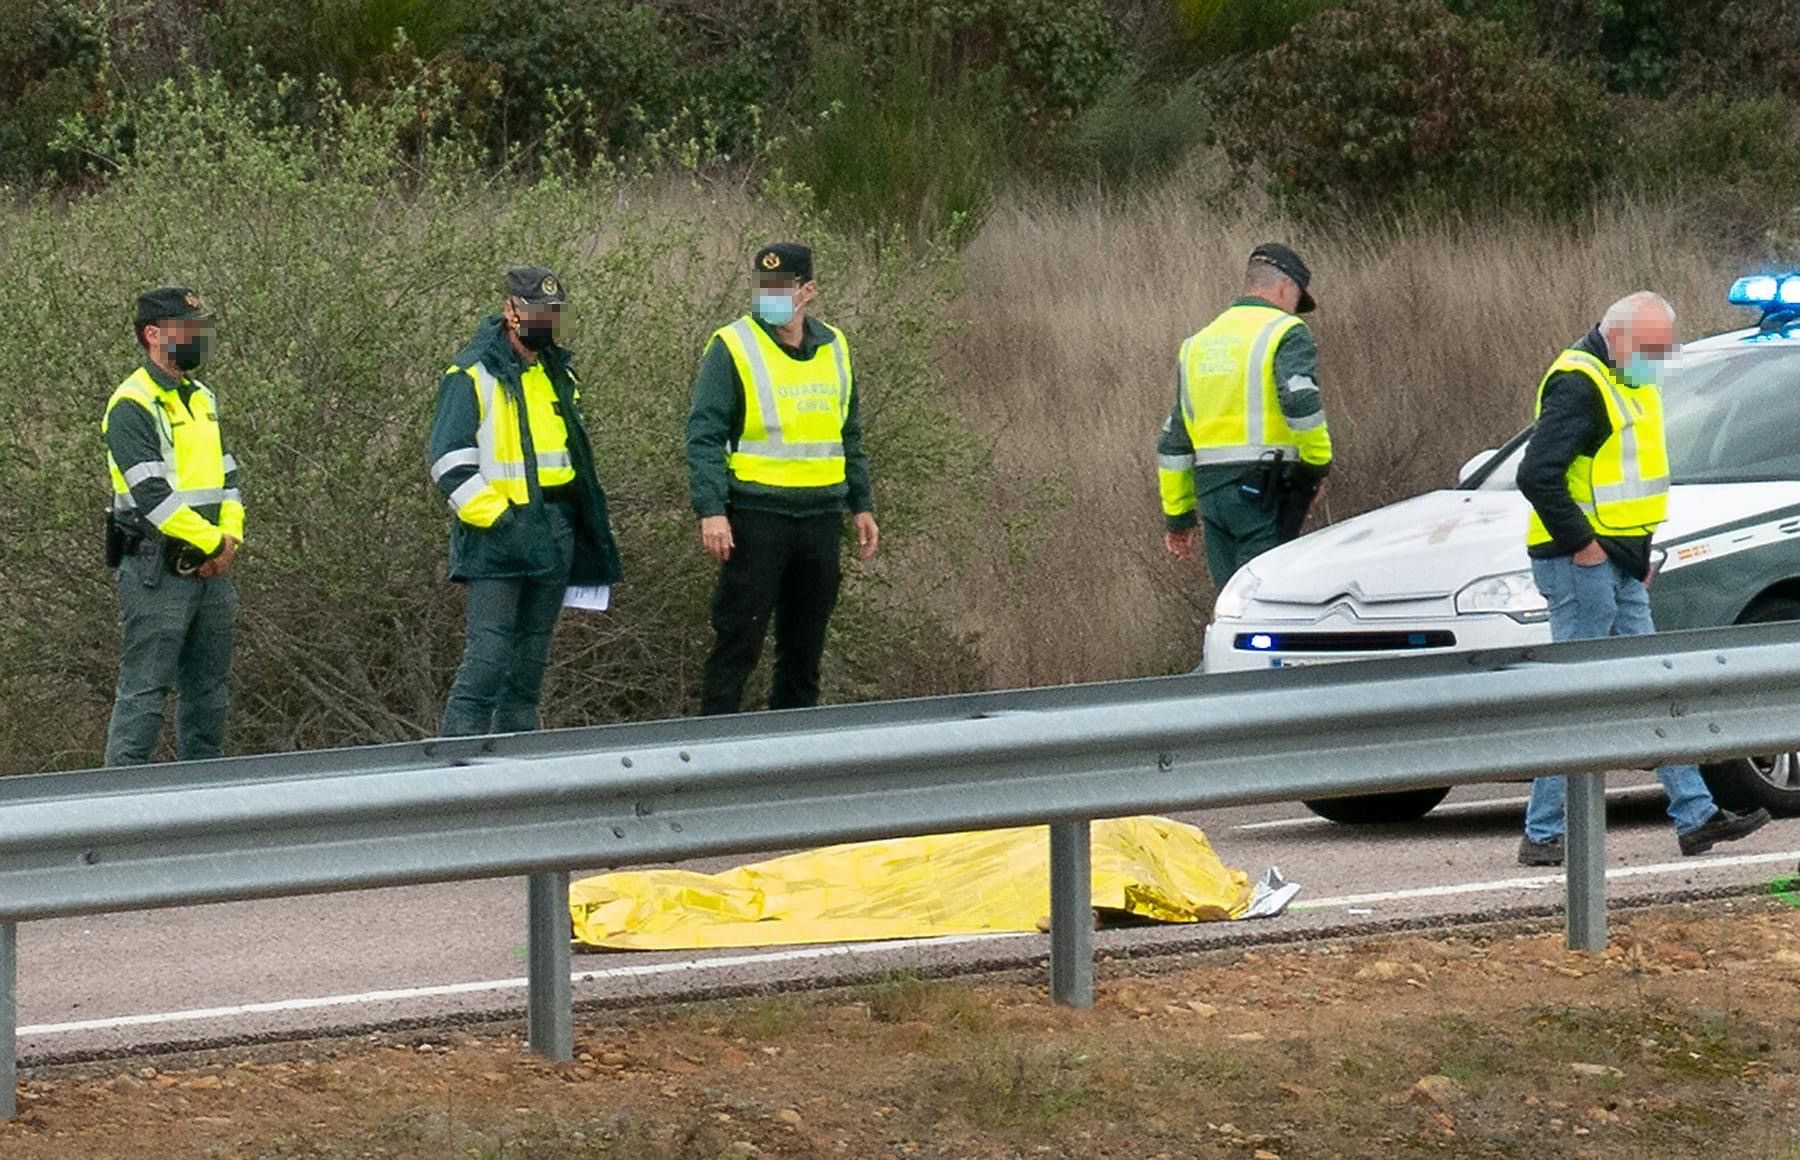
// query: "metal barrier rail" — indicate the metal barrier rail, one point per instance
point(541, 804)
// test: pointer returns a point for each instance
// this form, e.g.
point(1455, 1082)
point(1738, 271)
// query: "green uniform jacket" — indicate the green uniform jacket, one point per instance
point(520, 545)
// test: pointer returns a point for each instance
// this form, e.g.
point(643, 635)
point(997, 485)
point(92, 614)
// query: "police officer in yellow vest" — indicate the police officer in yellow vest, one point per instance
point(1246, 442)
point(1597, 475)
point(775, 457)
point(511, 456)
point(173, 533)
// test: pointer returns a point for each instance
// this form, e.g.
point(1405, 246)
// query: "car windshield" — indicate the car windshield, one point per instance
point(1730, 417)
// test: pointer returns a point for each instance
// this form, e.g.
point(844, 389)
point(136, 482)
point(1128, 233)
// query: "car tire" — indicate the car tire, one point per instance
point(1769, 783)
point(1374, 809)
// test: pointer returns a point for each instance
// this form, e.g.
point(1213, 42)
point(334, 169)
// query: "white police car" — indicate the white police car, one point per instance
point(1448, 570)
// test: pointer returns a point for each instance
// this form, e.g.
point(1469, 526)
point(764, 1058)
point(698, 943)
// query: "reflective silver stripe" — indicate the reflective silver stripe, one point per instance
point(1310, 422)
point(487, 459)
point(1175, 462)
point(745, 330)
point(504, 471)
point(1253, 378)
point(165, 511)
point(1630, 490)
point(124, 503)
point(149, 469)
point(201, 497)
point(233, 495)
point(1245, 454)
point(548, 459)
point(465, 495)
point(1301, 384)
point(1187, 398)
point(449, 461)
point(842, 355)
point(230, 463)
point(765, 449)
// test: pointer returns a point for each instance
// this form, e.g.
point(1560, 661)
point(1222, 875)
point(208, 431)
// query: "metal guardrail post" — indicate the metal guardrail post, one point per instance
point(9, 1020)
point(1585, 855)
point(1071, 915)
point(549, 1016)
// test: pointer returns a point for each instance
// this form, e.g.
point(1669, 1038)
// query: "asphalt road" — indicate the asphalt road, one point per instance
point(346, 962)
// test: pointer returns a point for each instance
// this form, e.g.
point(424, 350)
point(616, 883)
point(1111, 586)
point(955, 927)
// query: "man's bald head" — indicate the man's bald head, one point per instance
point(1641, 324)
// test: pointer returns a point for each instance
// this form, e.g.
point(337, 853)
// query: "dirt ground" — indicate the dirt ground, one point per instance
point(1682, 1040)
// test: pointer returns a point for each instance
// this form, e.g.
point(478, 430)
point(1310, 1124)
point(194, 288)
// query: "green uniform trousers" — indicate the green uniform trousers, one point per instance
point(1237, 529)
point(175, 636)
point(507, 647)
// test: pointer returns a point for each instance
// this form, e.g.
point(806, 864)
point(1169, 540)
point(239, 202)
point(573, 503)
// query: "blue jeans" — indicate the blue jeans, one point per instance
point(1587, 604)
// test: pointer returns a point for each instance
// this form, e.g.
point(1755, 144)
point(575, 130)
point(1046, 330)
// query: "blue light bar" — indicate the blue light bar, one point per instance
point(1761, 290)
point(1789, 294)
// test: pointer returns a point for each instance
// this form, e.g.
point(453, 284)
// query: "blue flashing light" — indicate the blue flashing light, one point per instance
point(1756, 290)
point(1262, 642)
point(1766, 292)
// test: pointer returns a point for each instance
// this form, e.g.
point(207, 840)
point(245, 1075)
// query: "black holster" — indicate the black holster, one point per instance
point(1296, 492)
point(1261, 484)
point(122, 540)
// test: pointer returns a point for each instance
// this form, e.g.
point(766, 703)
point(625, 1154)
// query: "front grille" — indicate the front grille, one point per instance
point(1342, 642)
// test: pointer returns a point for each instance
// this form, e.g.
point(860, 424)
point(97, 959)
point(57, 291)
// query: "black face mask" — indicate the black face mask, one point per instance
point(189, 355)
point(535, 336)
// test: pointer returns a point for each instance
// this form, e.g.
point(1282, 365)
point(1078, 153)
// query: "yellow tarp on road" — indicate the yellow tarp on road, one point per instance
point(946, 884)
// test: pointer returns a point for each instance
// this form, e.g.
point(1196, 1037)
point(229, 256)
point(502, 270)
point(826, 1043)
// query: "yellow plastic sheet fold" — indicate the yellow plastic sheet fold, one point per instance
point(946, 884)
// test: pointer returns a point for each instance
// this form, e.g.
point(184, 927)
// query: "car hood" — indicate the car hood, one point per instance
point(1431, 546)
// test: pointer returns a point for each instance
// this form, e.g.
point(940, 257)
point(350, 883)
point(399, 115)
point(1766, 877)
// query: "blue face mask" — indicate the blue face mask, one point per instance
point(775, 307)
point(1641, 370)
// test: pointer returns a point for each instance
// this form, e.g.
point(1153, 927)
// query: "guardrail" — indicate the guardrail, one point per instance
point(541, 804)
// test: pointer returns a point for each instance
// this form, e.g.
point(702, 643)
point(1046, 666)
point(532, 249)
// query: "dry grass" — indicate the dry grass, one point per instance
point(1432, 339)
point(1677, 1042)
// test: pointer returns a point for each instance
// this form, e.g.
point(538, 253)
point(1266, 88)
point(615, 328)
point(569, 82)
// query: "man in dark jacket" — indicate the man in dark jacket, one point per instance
point(1597, 475)
point(511, 457)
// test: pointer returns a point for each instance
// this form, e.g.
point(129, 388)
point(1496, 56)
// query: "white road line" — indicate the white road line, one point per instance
point(1452, 808)
point(1541, 881)
point(644, 970)
point(847, 951)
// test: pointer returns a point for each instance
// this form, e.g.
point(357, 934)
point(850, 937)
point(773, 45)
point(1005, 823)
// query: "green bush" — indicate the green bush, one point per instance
point(1740, 49)
point(1054, 55)
point(1713, 142)
point(903, 150)
point(1386, 101)
point(344, 278)
point(1136, 132)
point(49, 66)
point(1226, 28)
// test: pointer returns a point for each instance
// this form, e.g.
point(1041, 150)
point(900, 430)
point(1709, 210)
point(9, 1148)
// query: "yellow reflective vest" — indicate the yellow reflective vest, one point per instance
point(1229, 396)
point(1623, 488)
point(199, 509)
point(794, 409)
point(498, 456)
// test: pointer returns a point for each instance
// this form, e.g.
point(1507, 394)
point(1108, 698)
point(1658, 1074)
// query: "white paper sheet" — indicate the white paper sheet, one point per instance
point(596, 598)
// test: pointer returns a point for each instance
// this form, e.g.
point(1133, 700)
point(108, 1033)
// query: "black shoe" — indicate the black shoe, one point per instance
point(1723, 826)
point(1541, 853)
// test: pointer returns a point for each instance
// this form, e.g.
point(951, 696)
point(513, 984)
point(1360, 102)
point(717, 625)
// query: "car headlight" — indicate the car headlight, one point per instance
point(1514, 593)
point(1235, 599)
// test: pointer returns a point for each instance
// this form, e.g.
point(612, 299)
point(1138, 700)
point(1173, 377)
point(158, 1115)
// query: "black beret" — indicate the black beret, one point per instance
point(785, 258)
point(535, 285)
point(168, 304)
